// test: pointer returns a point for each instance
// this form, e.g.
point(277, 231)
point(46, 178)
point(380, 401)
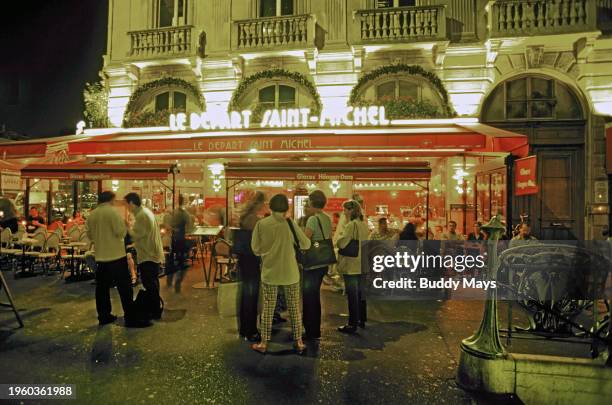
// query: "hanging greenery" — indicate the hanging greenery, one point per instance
point(95, 99)
point(172, 82)
point(405, 108)
point(296, 77)
point(355, 99)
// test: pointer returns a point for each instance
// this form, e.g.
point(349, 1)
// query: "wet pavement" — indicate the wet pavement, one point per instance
point(407, 354)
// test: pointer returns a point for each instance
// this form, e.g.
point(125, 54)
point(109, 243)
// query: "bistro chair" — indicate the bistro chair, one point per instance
point(7, 251)
point(74, 234)
point(48, 253)
point(222, 259)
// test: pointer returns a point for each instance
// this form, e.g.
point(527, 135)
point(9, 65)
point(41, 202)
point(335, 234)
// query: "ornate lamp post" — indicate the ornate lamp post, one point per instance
point(485, 343)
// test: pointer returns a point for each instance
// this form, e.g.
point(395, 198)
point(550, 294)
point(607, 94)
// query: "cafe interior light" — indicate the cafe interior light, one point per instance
point(334, 185)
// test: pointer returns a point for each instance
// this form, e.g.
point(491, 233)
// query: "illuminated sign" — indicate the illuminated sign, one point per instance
point(525, 176)
point(284, 118)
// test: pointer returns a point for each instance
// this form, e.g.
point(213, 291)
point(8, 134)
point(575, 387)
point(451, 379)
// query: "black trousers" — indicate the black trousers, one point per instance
point(311, 301)
point(109, 275)
point(250, 276)
point(149, 272)
point(179, 253)
point(356, 300)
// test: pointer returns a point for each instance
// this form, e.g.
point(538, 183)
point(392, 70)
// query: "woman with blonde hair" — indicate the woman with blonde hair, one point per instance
point(349, 264)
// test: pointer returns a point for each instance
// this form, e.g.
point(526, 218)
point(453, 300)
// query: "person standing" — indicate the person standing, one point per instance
point(274, 241)
point(250, 274)
point(318, 228)
point(409, 232)
point(476, 233)
point(350, 267)
point(146, 237)
point(181, 225)
point(107, 230)
point(524, 233)
point(8, 215)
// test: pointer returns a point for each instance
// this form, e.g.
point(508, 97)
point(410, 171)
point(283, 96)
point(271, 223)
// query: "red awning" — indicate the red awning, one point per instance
point(315, 171)
point(427, 140)
point(97, 172)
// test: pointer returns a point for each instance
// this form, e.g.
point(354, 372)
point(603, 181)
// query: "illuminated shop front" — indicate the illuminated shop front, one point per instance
point(466, 162)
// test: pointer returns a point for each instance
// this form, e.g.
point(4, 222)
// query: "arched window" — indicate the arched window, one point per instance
point(170, 13)
point(277, 96)
point(275, 8)
point(531, 98)
point(398, 88)
point(171, 100)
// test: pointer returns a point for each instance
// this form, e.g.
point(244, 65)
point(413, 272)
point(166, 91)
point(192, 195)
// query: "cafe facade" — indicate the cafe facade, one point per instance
point(507, 108)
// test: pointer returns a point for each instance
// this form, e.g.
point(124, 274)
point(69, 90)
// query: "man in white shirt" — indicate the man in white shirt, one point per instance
point(107, 229)
point(146, 237)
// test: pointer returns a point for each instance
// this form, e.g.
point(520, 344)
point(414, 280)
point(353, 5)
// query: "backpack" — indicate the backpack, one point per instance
point(147, 306)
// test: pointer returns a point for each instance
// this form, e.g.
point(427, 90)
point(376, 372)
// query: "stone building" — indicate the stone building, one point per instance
point(542, 68)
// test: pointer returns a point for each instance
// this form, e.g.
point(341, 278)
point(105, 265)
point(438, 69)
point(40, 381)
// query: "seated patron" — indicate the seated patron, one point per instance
point(35, 220)
point(384, 232)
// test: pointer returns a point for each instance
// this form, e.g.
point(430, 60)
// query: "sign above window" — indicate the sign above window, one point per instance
point(281, 118)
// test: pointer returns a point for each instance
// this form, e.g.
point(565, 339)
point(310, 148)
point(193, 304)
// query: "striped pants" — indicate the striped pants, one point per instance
point(292, 294)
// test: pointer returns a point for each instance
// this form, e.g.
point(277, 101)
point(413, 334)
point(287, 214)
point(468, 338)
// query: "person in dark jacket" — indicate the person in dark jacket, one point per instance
point(250, 274)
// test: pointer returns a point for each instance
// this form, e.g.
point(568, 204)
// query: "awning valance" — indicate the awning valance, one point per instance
point(417, 140)
point(316, 171)
point(98, 172)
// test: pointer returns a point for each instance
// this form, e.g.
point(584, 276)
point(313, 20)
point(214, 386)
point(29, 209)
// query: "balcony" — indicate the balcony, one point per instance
point(269, 33)
point(161, 42)
point(510, 18)
point(423, 23)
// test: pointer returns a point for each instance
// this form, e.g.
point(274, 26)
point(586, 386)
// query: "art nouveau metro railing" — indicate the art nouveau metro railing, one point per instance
point(402, 23)
point(161, 42)
point(540, 17)
point(274, 32)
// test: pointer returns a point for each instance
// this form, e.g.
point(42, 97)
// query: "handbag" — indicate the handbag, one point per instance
point(299, 253)
point(352, 249)
point(227, 298)
point(321, 252)
point(147, 306)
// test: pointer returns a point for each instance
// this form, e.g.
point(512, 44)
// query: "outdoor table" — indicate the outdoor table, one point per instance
point(26, 242)
point(201, 233)
point(72, 246)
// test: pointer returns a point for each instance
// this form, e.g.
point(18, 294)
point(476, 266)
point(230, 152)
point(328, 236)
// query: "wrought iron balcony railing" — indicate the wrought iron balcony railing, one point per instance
point(422, 23)
point(161, 42)
point(509, 18)
point(275, 32)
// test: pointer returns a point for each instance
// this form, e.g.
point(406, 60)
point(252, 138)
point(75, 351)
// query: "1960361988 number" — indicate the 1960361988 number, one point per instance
point(30, 391)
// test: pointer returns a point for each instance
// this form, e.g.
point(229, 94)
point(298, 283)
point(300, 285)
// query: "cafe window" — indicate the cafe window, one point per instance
point(171, 100)
point(275, 8)
point(398, 88)
point(394, 3)
point(170, 13)
point(532, 98)
point(277, 96)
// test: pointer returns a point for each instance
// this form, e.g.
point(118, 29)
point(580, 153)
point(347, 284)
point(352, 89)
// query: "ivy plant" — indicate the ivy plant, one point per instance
point(95, 100)
point(172, 82)
point(295, 77)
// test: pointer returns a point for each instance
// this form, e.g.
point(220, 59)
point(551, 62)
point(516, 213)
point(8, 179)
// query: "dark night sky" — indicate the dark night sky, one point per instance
point(54, 47)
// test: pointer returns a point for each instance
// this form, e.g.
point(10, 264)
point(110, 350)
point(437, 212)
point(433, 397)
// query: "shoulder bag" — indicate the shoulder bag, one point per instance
point(321, 252)
point(352, 249)
point(299, 253)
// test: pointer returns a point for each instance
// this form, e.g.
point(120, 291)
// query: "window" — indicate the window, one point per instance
point(171, 13)
point(394, 3)
point(277, 96)
point(171, 100)
point(398, 88)
point(532, 98)
point(275, 8)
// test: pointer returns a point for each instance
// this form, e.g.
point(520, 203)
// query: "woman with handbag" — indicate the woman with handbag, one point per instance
point(248, 264)
point(277, 240)
point(349, 265)
point(319, 231)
